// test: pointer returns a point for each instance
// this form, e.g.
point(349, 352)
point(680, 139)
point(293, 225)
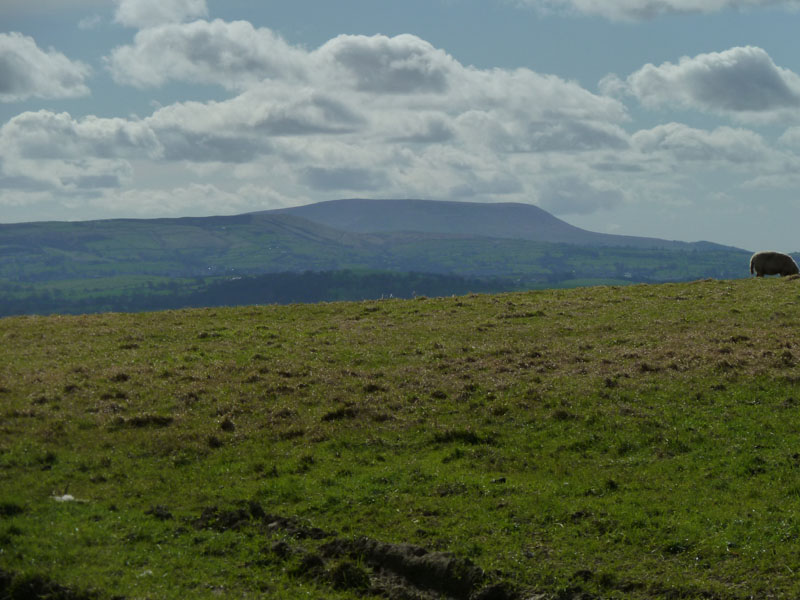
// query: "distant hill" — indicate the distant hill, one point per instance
point(183, 247)
point(144, 264)
point(500, 220)
point(469, 239)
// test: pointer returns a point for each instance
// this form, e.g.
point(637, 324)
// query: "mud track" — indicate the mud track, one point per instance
point(364, 565)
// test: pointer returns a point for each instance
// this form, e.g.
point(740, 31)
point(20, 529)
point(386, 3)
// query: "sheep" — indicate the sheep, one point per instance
point(772, 263)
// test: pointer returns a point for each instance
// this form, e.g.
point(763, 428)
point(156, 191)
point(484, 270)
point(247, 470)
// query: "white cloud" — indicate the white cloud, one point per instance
point(742, 82)
point(791, 138)
point(724, 144)
point(363, 91)
point(48, 135)
point(404, 64)
point(58, 152)
point(71, 176)
point(268, 110)
point(637, 10)
point(27, 71)
point(250, 124)
point(505, 133)
point(402, 72)
point(377, 115)
point(774, 181)
point(420, 127)
point(233, 55)
point(150, 13)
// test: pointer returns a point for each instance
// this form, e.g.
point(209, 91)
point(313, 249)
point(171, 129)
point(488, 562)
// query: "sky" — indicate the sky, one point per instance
point(677, 119)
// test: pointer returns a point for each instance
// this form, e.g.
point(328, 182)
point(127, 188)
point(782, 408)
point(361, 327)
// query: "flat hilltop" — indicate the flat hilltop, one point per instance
point(626, 442)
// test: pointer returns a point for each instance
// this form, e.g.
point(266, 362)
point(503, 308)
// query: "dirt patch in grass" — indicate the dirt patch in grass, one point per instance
point(344, 412)
point(36, 587)
point(407, 566)
point(10, 509)
point(463, 436)
point(251, 512)
point(361, 565)
point(143, 420)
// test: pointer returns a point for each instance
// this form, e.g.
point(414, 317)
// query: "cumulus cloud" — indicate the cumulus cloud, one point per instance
point(774, 181)
point(404, 64)
point(71, 176)
point(183, 145)
point(684, 143)
point(743, 82)
point(637, 10)
point(405, 68)
point(48, 135)
point(269, 110)
point(234, 55)
point(149, 13)
point(247, 126)
point(27, 71)
point(363, 114)
point(237, 55)
point(569, 136)
point(62, 153)
point(373, 90)
point(421, 127)
point(791, 138)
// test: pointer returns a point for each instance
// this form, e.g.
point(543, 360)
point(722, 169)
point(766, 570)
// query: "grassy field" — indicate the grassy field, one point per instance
point(605, 442)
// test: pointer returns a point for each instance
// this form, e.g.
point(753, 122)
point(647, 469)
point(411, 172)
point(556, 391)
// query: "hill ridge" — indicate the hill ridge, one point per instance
point(505, 220)
point(120, 264)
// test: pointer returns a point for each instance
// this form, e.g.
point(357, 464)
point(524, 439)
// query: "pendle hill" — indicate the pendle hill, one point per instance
point(336, 250)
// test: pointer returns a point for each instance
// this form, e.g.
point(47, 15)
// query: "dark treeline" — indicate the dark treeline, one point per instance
point(272, 288)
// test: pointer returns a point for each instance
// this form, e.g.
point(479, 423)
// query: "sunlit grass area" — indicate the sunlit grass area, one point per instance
point(626, 442)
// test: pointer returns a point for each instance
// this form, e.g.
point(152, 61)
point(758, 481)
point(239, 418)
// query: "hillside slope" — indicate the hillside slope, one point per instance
point(609, 442)
point(150, 264)
point(501, 220)
point(433, 237)
point(250, 243)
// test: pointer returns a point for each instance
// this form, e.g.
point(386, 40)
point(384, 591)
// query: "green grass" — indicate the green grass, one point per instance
point(625, 442)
